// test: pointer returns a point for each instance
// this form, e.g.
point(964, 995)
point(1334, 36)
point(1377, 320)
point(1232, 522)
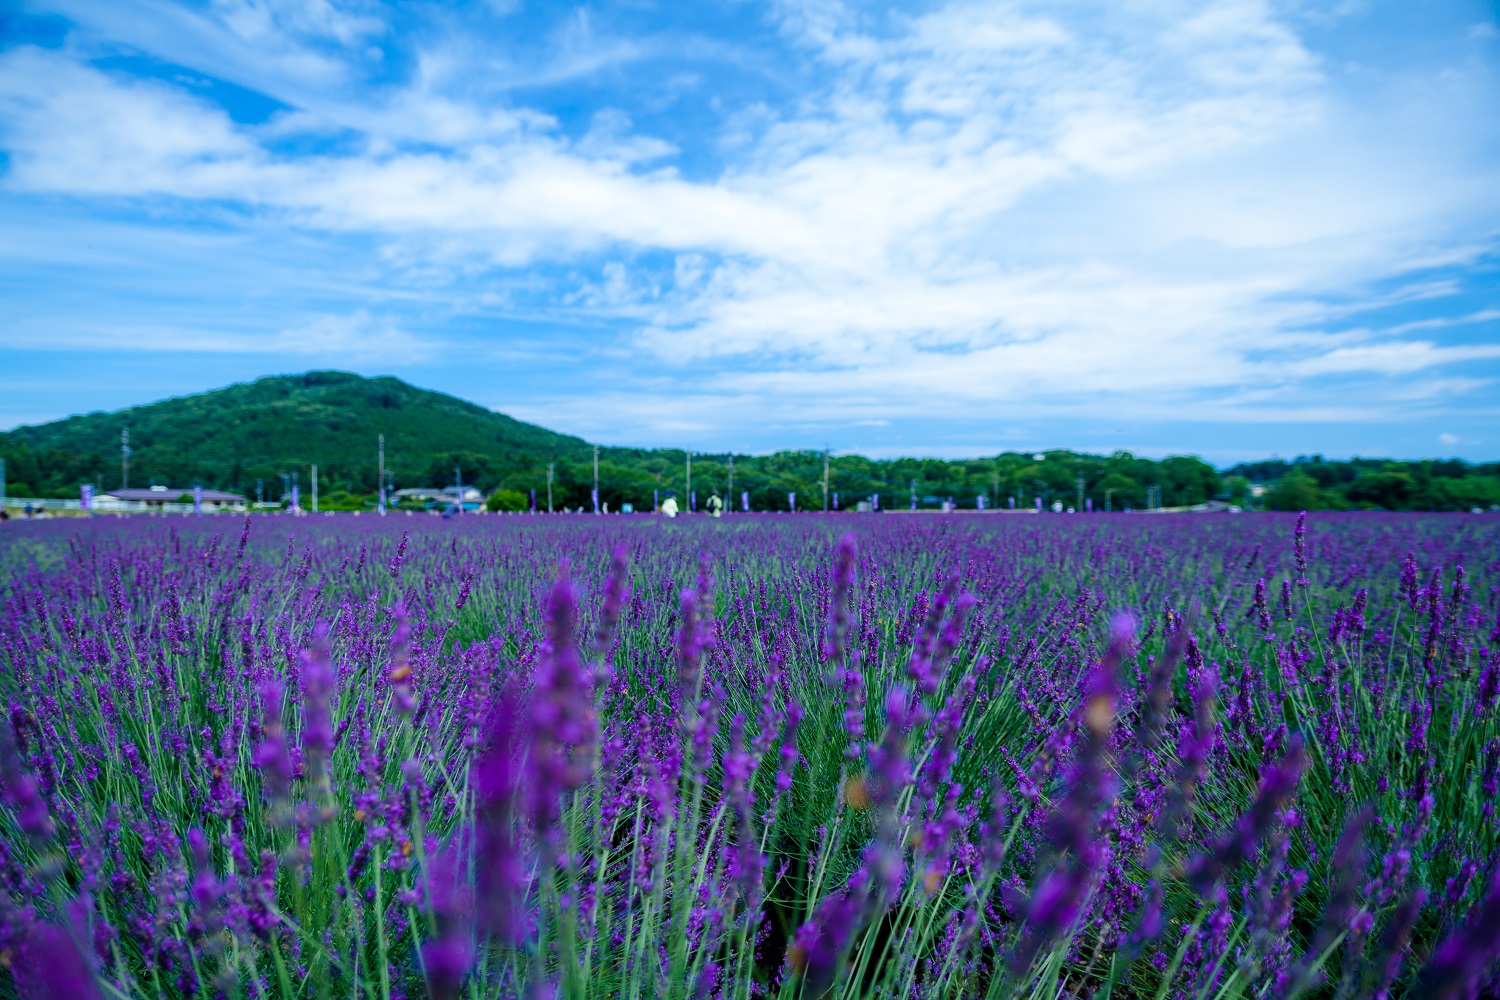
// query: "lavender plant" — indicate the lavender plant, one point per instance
point(757, 757)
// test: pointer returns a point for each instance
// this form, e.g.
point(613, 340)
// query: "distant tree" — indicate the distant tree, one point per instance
point(1391, 489)
point(1295, 491)
point(507, 500)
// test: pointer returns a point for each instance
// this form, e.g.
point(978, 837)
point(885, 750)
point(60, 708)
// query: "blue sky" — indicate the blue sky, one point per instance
point(1233, 228)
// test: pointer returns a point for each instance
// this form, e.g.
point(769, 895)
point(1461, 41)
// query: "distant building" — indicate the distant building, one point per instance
point(431, 496)
point(157, 496)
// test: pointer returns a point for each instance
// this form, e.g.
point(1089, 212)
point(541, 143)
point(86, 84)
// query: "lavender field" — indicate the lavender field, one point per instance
point(1123, 756)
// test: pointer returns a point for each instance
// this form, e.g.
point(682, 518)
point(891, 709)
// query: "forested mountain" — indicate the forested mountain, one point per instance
point(266, 431)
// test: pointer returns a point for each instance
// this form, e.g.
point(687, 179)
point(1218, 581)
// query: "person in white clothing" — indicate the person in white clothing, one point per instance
point(669, 506)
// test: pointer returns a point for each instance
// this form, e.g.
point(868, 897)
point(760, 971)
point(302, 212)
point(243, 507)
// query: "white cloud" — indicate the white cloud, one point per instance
point(1011, 204)
point(354, 338)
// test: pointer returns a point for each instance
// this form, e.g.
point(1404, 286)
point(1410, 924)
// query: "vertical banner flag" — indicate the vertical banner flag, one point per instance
point(693, 500)
point(197, 499)
point(745, 501)
point(595, 494)
point(86, 496)
point(1012, 503)
point(656, 499)
point(835, 501)
point(791, 502)
point(381, 506)
point(875, 502)
point(296, 498)
point(1088, 504)
point(1038, 505)
point(533, 499)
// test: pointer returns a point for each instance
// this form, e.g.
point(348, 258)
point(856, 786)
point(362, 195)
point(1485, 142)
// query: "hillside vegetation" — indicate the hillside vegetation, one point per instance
point(279, 426)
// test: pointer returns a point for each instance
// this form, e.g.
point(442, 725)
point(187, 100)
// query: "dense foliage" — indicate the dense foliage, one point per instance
point(265, 432)
point(1311, 483)
point(1138, 757)
point(229, 438)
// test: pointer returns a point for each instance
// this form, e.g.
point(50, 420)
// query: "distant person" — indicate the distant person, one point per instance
point(669, 506)
point(715, 505)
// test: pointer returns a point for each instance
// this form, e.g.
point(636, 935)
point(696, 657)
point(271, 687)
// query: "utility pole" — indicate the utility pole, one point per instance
point(825, 480)
point(1078, 481)
point(315, 487)
point(549, 486)
point(260, 491)
point(125, 458)
point(380, 503)
point(596, 479)
point(728, 493)
point(689, 498)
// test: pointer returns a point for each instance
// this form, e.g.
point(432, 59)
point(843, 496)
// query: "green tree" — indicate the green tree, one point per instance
point(1295, 491)
point(1391, 489)
point(507, 500)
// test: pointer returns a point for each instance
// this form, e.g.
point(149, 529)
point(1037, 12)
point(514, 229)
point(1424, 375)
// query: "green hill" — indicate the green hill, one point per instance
point(229, 438)
point(263, 431)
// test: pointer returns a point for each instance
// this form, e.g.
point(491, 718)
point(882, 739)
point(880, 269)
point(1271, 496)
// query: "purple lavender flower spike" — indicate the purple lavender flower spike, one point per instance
point(616, 597)
point(21, 790)
point(1072, 827)
point(274, 755)
point(841, 586)
point(819, 945)
point(317, 677)
point(1299, 540)
point(1278, 784)
point(1461, 965)
point(562, 723)
point(499, 869)
point(402, 693)
point(447, 957)
point(49, 966)
point(1395, 943)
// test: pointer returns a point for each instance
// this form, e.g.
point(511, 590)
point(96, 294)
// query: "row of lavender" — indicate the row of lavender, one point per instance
point(1171, 757)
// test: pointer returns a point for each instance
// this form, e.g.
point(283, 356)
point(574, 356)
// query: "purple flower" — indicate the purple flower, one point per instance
point(499, 870)
point(317, 676)
point(616, 597)
point(20, 789)
point(840, 589)
point(50, 966)
point(1467, 956)
point(1277, 786)
point(447, 957)
point(1072, 827)
point(562, 727)
point(274, 755)
point(1396, 942)
point(1299, 541)
point(820, 943)
point(400, 554)
point(400, 674)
